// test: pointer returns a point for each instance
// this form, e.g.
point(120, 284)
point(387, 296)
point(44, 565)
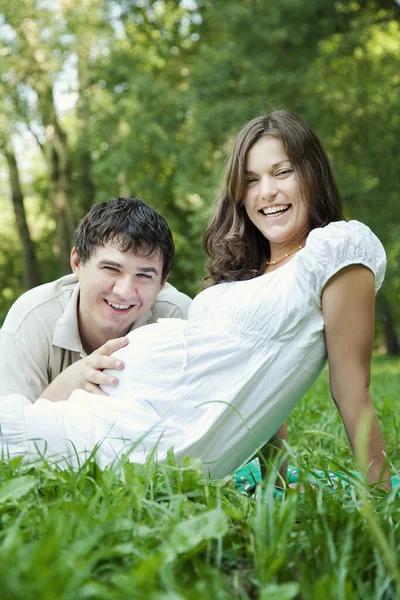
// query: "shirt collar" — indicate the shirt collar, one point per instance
point(143, 320)
point(66, 332)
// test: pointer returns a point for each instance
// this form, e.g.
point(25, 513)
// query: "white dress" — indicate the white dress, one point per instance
point(216, 386)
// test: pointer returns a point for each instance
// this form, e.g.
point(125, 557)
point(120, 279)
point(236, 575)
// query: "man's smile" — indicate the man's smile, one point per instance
point(119, 307)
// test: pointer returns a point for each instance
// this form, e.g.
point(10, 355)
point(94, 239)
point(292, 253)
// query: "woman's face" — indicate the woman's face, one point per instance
point(273, 199)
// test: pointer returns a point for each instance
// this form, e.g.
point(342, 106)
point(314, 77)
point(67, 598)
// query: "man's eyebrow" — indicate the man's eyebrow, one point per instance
point(148, 270)
point(116, 265)
point(110, 263)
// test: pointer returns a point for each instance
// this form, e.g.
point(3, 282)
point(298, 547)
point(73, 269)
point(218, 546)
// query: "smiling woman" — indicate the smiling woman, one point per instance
point(274, 156)
point(273, 200)
point(221, 383)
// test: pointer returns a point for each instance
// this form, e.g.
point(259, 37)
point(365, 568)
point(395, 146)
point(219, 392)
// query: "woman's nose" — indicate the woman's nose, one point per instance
point(268, 188)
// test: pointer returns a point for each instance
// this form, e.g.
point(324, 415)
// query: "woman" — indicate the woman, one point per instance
point(292, 284)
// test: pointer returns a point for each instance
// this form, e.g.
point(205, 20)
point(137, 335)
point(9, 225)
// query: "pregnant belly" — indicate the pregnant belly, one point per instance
point(177, 365)
point(154, 360)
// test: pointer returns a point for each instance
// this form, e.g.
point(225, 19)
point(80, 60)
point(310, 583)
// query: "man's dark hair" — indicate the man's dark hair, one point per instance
point(130, 223)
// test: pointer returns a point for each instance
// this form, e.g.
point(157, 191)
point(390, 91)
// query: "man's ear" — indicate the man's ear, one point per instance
point(75, 262)
point(164, 282)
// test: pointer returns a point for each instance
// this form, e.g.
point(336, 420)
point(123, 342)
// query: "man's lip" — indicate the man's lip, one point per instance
point(125, 310)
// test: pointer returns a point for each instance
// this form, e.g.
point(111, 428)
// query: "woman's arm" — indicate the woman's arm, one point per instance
point(348, 307)
point(268, 453)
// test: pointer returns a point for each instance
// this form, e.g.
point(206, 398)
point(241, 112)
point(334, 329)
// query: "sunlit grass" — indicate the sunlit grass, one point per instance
point(164, 532)
point(315, 428)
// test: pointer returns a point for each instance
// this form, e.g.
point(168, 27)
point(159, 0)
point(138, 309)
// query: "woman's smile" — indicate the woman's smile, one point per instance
point(273, 199)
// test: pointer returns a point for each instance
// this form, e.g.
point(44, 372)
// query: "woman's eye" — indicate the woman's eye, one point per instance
point(251, 180)
point(284, 172)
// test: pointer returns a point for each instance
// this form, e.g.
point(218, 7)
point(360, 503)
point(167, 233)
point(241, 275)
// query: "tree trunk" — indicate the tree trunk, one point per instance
point(87, 189)
point(30, 271)
point(59, 166)
point(391, 337)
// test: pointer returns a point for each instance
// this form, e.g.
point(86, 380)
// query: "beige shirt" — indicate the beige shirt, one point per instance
point(40, 335)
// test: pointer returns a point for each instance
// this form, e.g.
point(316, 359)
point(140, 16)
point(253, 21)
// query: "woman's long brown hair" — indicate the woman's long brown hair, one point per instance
point(236, 248)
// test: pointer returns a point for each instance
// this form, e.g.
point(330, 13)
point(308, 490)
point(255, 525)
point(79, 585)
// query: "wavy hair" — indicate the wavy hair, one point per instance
point(237, 250)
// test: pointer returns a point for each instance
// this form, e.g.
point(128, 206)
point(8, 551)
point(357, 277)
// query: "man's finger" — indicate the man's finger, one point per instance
point(93, 389)
point(101, 362)
point(99, 378)
point(112, 345)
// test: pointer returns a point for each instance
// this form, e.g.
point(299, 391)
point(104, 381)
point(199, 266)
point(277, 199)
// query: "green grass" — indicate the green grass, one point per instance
point(162, 532)
point(315, 428)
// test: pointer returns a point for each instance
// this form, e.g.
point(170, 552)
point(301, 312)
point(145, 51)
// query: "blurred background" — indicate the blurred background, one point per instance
point(102, 98)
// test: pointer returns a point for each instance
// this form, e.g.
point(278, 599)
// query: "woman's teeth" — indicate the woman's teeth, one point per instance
point(275, 210)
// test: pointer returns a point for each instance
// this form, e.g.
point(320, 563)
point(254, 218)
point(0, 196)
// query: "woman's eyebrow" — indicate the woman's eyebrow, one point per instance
point(278, 164)
point(273, 166)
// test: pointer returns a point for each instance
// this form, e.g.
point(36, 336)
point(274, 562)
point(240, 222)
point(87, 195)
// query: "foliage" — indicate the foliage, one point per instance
point(161, 531)
point(160, 87)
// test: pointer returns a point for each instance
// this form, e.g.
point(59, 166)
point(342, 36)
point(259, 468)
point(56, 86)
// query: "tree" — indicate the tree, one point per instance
point(30, 271)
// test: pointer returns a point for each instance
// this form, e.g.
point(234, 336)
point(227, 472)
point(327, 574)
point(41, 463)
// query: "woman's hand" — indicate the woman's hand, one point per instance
point(87, 373)
point(348, 307)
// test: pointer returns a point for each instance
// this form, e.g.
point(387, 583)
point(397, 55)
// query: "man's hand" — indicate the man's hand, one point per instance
point(87, 374)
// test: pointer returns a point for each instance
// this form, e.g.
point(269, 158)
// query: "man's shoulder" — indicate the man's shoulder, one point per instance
point(48, 300)
point(171, 301)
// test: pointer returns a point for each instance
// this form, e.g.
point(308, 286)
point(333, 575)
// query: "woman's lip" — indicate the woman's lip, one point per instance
point(276, 205)
point(275, 215)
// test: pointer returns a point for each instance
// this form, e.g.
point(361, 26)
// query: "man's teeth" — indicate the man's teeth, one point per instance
point(272, 210)
point(118, 306)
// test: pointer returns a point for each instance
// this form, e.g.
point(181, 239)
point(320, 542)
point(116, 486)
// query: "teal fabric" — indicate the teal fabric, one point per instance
point(247, 477)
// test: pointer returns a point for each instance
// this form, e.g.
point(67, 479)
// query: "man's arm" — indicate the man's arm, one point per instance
point(23, 367)
point(348, 306)
point(87, 373)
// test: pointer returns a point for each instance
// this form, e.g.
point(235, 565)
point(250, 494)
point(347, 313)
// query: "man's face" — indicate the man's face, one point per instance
point(116, 288)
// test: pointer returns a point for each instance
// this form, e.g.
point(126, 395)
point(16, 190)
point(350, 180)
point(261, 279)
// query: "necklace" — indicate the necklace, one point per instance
point(276, 262)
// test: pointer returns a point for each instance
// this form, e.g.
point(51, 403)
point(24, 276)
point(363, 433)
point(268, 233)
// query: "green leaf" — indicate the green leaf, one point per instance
point(14, 489)
point(286, 591)
point(189, 534)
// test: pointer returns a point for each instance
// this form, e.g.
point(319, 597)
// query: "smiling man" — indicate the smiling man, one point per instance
point(63, 332)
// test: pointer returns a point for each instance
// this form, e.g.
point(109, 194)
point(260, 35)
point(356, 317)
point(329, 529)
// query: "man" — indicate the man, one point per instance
point(64, 331)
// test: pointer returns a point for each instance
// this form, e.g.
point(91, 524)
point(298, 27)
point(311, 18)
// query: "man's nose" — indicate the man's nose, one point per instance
point(124, 287)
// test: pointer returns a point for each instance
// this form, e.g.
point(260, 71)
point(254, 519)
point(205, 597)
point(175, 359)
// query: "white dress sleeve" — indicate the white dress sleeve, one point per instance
point(338, 245)
point(13, 440)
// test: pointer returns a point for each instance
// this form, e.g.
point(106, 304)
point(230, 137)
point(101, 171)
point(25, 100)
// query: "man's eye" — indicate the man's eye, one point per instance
point(112, 269)
point(144, 276)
